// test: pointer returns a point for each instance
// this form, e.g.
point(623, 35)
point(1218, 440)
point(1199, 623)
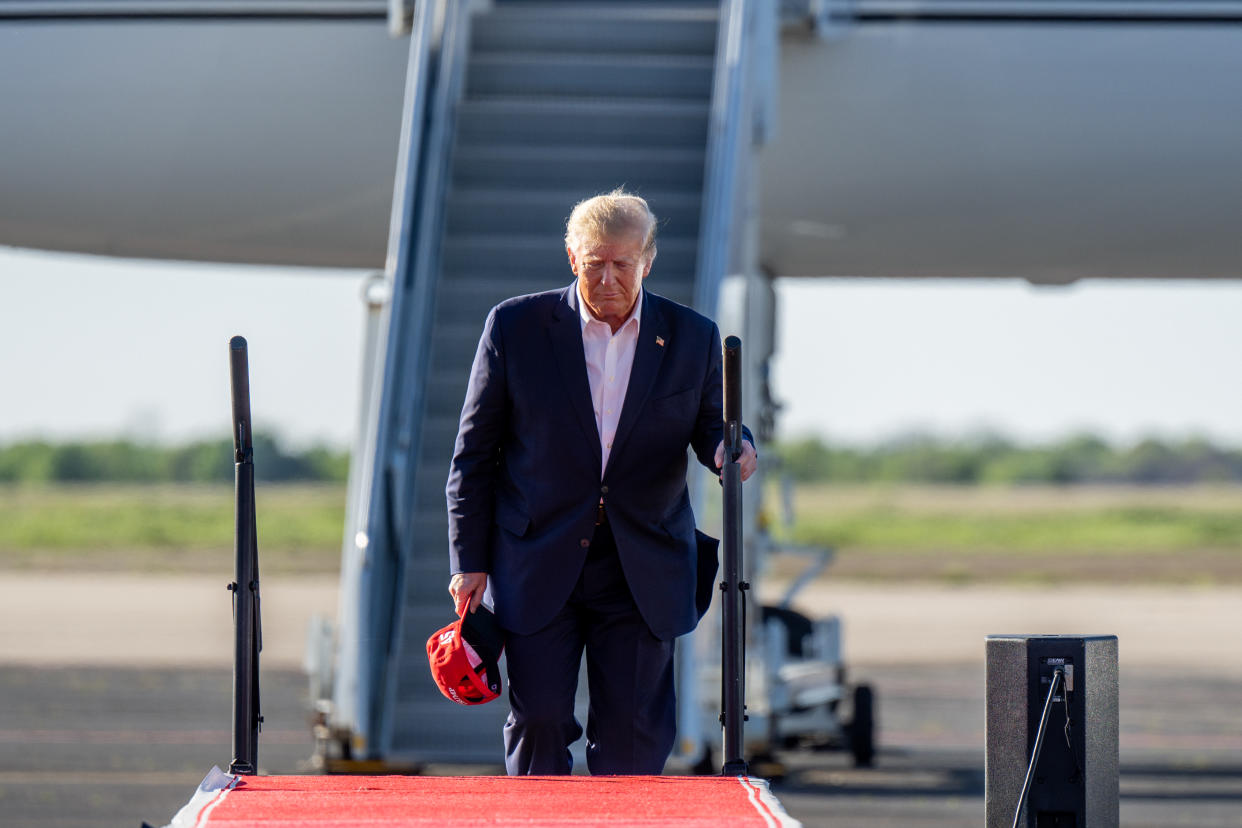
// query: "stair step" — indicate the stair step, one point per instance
point(428, 727)
point(585, 169)
point(535, 255)
point(450, 384)
point(468, 302)
point(620, 28)
point(540, 73)
point(429, 487)
point(441, 430)
point(650, 9)
point(435, 455)
point(629, 122)
point(430, 566)
point(467, 298)
point(432, 611)
point(445, 406)
point(454, 357)
point(497, 285)
point(427, 587)
point(467, 320)
point(587, 8)
point(472, 209)
point(430, 524)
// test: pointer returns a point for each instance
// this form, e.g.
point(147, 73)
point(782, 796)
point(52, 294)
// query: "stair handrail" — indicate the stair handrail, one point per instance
point(372, 570)
point(725, 147)
point(452, 51)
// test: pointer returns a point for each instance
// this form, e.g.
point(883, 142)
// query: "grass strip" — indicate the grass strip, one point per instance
point(166, 527)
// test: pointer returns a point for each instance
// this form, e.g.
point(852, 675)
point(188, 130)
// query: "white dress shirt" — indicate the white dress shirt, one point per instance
point(609, 358)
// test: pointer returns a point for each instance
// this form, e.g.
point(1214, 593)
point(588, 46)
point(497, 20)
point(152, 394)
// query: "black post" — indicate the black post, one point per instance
point(245, 588)
point(733, 618)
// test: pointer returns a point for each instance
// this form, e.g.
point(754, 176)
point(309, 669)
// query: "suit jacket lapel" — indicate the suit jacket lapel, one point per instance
point(566, 335)
point(648, 353)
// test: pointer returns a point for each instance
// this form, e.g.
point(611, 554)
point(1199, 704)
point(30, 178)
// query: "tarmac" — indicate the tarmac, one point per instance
point(116, 696)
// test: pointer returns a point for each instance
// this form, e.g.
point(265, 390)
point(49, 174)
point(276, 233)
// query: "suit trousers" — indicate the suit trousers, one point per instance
point(632, 718)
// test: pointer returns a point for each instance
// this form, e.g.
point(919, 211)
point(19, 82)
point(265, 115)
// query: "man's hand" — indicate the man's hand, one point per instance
point(467, 587)
point(749, 459)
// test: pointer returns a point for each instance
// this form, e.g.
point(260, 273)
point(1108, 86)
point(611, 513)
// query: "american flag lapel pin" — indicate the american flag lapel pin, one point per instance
point(660, 341)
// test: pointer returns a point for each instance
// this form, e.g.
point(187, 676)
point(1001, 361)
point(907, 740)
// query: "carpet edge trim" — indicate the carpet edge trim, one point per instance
point(214, 787)
point(766, 804)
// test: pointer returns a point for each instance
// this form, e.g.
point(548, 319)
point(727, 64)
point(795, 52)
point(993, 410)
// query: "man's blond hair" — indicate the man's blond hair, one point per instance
point(611, 216)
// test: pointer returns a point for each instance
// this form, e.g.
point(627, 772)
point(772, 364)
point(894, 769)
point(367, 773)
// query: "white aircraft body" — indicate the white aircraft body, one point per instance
point(1051, 141)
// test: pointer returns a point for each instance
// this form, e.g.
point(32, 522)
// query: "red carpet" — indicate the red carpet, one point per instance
point(391, 801)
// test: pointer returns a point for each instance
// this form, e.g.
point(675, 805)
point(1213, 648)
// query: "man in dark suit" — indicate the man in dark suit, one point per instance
point(567, 493)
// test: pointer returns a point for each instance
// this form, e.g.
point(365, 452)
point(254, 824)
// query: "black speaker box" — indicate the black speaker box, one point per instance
point(1075, 784)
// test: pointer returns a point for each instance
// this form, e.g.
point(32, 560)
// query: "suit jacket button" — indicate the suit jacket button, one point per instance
point(584, 543)
point(603, 490)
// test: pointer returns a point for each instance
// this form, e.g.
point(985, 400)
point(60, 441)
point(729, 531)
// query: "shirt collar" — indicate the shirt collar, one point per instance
point(584, 313)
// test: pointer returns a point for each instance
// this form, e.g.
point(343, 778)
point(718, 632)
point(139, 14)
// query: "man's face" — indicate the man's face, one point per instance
point(610, 275)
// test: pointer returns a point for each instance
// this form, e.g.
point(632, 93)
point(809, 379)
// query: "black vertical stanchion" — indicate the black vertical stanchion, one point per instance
point(733, 618)
point(245, 588)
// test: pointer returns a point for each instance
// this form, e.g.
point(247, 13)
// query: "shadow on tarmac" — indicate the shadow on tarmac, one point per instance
point(89, 747)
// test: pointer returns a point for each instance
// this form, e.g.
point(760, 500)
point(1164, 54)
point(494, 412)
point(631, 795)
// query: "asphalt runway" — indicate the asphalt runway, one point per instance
point(1181, 754)
point(96, 746)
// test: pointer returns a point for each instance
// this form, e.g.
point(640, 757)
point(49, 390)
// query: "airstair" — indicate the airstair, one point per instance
point(514, 112)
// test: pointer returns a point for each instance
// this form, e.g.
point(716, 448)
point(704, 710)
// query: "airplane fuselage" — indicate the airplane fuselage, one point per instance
point(1045, 150)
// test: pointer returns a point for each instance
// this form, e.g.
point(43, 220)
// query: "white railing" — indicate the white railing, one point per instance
point(372, 576)
point(741, 112)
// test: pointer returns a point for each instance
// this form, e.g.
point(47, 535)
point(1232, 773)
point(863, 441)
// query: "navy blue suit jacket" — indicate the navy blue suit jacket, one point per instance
point(525, 480)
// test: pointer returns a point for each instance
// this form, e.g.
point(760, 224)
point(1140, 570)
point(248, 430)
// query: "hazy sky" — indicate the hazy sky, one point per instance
point(97, 346)
point(864, 359)
point(105, 347)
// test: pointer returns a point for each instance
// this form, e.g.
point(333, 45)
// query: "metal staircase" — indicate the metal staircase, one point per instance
point(561, 101)
point(517, 112)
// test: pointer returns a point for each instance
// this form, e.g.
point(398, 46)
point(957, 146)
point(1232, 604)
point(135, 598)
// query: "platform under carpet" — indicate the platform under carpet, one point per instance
point(418, 801)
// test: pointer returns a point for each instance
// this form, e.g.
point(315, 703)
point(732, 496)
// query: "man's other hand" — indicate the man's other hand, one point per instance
point(467, 587)
point(749, 460)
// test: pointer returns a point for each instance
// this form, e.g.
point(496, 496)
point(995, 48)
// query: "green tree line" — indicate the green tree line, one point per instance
point(1080, 459)
point(200, 461)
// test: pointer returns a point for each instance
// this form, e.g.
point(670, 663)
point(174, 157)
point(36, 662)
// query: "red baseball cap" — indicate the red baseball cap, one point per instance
point(464, 655)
